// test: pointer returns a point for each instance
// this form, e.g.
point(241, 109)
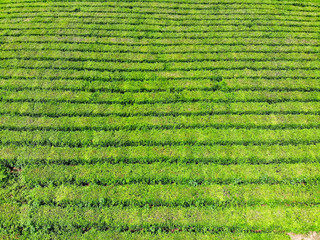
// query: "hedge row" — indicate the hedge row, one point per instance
point(262, 218)
point(158, 66)
point(163, 85)
point(139, 195)
point(54, 55)
point(168, 173)
point(101, 18)
point(94, 75)
point(56, 109)
point(277, 16)
point(161, 35)
point(271, 121)
point(235, 154)
point(160, 137)
point(214, 96)
point(174, 234)
point(167, 4)
point(81, 56)
point(17, 221)
point(156, 28)
point(161, 46)
point(174, 10)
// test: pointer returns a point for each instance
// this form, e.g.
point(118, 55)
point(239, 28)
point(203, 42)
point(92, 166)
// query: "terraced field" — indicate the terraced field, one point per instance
point(159, 119)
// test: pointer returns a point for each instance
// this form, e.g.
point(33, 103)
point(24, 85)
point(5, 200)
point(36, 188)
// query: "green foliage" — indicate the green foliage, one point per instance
point(66, 109)
point(159, 119)
point(168, 173)
point(219, 154)
point(193, 219)
point(139, 195)
point(3, 174)
point(243, 121)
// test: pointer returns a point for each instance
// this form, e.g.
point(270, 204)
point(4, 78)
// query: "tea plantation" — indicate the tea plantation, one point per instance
point(159, 119)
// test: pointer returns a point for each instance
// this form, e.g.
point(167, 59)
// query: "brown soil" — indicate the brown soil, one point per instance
point(310, 236)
